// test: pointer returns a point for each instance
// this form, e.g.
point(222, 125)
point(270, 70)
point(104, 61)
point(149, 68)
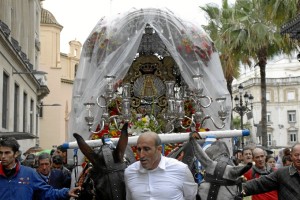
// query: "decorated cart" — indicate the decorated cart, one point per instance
point(153, 70)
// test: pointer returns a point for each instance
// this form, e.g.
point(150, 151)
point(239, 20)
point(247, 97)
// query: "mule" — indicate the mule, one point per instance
point(222, 180)
point(106, 176)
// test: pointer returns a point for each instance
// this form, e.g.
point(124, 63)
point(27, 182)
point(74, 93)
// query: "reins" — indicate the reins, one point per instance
point(84, 179)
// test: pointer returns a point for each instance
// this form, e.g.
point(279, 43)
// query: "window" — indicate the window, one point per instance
point(292, 136)
point(269, 139)
point(291, 95)
point(268, 96)
point(291, 116)
point(31, 115)
point(75, 70)
point(5, 101)
point(16, 107)
point(37, 110)
point(24, 111)
point(268, 117)
point(259, 138)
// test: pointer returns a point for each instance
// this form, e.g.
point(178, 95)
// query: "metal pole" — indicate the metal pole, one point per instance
point(242, 109)
point(242, 126)
point(166, 138)
point(241, 115)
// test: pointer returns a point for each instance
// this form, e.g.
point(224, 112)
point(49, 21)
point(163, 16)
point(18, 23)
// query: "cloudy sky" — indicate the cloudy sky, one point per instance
point(79, 17)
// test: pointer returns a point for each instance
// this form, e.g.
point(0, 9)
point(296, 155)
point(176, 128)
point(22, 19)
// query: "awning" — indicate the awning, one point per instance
point(18, 135)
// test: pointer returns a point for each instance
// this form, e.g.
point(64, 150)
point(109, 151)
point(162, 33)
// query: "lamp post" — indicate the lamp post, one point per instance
point(41, 105)
point(241, 107)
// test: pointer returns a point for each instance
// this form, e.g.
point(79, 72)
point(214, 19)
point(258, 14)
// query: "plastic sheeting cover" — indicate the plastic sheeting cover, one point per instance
point(113, 44)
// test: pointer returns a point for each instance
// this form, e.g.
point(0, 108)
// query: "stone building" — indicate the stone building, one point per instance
point(283, 108)
point(22, 83)
point(61, 69)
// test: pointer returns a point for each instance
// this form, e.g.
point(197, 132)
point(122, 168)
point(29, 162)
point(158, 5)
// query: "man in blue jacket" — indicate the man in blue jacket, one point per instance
point(21, 182)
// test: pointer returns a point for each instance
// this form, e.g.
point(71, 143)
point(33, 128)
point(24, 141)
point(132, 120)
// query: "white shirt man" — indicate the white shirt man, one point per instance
point(157, 177)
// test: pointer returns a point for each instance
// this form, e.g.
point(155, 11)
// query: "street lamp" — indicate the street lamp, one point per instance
point(241, 107)
point(41, 105)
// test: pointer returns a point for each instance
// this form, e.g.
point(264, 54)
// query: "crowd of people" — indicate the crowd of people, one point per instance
point(271, 178)
point(51, 167)
point(154, 176)
point(42, 178)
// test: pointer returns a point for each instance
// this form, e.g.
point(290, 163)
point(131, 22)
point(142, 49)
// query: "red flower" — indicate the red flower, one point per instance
point(188, 49)
point(179, 48)
point(113, 112)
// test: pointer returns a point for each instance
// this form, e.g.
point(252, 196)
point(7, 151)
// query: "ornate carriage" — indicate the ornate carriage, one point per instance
point(153, 69)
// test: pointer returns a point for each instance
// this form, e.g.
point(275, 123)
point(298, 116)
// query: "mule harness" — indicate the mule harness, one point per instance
point(216, 180)
point(111, 170)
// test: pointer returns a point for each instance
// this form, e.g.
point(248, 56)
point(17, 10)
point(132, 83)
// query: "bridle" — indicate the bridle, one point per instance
point(109, 170)
point(216, 181)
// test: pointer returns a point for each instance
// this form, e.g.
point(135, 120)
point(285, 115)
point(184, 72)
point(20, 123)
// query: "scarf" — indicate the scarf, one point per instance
point(267, 170)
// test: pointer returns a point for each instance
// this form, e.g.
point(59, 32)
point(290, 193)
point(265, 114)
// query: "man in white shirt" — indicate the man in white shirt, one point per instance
point(157, 177)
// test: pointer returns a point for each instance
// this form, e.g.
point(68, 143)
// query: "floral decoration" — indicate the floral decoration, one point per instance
point(188, 48)
point(142, 123)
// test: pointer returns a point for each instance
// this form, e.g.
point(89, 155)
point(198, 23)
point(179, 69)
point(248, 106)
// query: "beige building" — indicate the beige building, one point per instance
point(21, 83)
point(61, 69)
point(283, 108)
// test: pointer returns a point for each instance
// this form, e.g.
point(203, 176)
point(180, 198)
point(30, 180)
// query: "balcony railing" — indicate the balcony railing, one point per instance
point(271, 81)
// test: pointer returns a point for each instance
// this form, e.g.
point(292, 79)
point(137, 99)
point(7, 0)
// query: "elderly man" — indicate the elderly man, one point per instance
point(285, 180)
point(260, 168)
point(54, 177)
point(157, 177)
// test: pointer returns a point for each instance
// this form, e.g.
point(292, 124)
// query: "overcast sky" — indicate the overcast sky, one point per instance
point(79, 17)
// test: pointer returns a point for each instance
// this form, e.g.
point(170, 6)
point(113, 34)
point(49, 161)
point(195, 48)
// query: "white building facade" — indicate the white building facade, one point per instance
point(283, 108)
point(22, 88)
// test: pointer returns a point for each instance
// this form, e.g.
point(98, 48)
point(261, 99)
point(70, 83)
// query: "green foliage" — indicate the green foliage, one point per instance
point(249, 31)
point(236, 123)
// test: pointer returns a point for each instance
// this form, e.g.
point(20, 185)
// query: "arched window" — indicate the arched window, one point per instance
point(75, 69)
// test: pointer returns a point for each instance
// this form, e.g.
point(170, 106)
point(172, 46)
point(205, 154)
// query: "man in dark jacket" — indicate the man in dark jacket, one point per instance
point(53, 177)
point(21, 182)
point(57, 164)
point(285, 180)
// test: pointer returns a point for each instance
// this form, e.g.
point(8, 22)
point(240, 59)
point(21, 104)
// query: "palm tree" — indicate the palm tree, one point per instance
point(219, 19)
point(258, 37)
point(250, 31)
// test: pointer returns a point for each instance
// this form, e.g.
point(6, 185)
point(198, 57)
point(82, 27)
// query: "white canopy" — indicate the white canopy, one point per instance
point(113, 45)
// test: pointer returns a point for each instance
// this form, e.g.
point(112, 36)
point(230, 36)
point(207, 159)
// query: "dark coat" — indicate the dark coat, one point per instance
point(285, 180)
